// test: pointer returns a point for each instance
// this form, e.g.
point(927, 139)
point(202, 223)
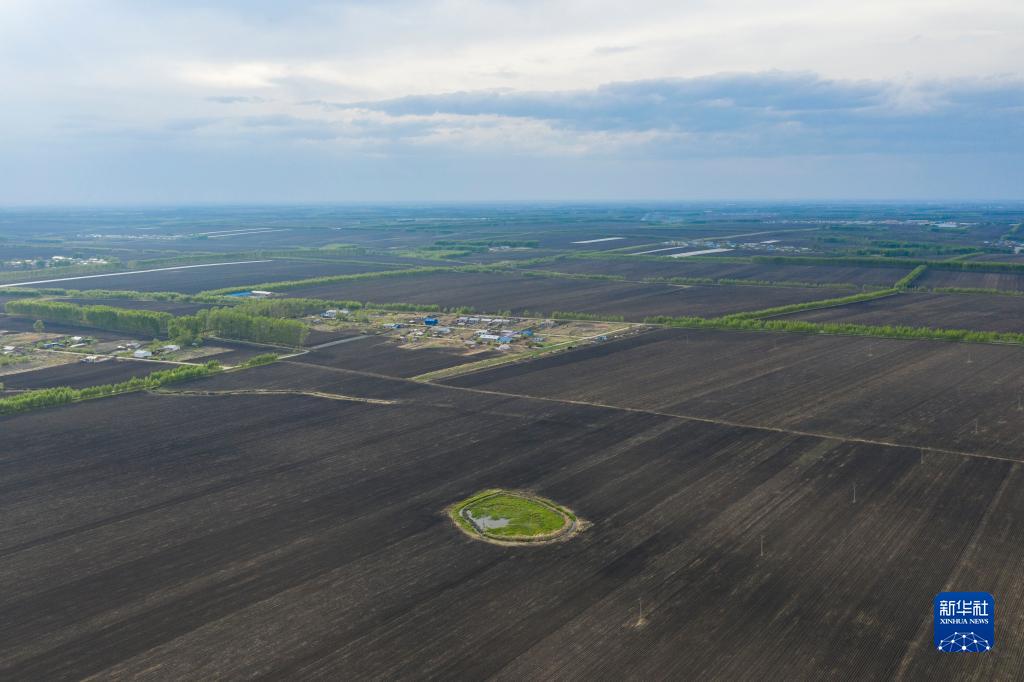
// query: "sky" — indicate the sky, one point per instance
point(256, 101)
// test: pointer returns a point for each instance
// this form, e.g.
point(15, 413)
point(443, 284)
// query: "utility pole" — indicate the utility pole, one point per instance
point(762, 545)
point(855, 493)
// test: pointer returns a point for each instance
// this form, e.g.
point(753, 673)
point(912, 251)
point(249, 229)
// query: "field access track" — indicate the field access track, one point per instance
point(963, 397)
point(191, 279)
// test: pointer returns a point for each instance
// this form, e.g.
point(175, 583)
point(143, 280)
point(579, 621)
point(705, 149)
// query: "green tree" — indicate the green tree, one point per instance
point(142, 322)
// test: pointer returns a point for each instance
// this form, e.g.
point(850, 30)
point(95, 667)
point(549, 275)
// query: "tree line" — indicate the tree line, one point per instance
point(595, 317)
point(841, 328)
point(329, 279)
point(810, 305)
point(564, 275)
point(976, 290)
point(61, 395)
point(880, 262)
point(732, 281)
point(124, 294)
point(232, 323)
point(299, 307)
point(137, 322)
point(909, 278)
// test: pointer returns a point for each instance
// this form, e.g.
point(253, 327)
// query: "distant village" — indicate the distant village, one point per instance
point(51, 262)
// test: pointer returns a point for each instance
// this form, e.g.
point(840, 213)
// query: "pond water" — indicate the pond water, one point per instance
point(486, 522)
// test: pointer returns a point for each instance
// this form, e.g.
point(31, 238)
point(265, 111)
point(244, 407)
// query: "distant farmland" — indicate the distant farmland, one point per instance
point(982, 312)
point(812, 274)
point(492, 292)
point(918, 393)
point(1003, 281)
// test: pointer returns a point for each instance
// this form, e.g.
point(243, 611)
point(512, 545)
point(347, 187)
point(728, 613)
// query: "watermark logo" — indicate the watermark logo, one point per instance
point(964, 622)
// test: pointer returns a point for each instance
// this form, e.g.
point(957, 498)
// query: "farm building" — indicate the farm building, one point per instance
point(142, 354)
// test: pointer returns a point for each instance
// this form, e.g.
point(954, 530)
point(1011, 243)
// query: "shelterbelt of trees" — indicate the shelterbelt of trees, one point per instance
point(284, 285)
point(137, 322)
point(841, 328)
point(61, 395)
point(119, 294)
point(236, 323)
point(875, 261)
point(810, 305)
point(245, 323)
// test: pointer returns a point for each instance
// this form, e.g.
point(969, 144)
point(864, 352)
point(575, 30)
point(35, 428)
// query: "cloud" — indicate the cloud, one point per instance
point(767, 113)
point(532, 97)
point(721, 116)
point(614, 49)
point(709, 103)
point(237, 99)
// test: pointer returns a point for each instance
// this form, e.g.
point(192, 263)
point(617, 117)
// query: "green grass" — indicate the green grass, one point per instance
point(529, 517)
